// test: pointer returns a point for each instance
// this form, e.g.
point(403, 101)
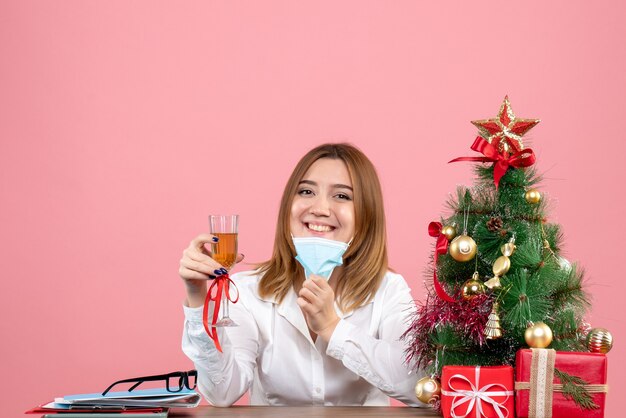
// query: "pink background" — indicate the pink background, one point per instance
point(123, 124)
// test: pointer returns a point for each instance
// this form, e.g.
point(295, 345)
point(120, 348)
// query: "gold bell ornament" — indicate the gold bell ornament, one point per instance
point(599, 340)
point(493, 330)
point(473, 287)
point(533, 196)
point(501, 265)
point(428, 389)
point(538, 335)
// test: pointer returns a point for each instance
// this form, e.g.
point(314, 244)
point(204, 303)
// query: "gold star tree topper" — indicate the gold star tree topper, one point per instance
point(505, 131)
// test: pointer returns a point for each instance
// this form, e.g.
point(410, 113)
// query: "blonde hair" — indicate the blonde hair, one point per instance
point(364, 263)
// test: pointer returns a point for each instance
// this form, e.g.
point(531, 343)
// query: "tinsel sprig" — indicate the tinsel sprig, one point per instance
point(466, 319)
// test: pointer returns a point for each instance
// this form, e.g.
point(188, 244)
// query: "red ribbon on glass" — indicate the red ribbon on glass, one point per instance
point(524, 158)
point(222, 285)
point(434, 230)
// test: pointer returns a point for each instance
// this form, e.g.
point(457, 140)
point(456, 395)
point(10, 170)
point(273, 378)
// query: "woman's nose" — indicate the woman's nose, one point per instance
point(320, 207)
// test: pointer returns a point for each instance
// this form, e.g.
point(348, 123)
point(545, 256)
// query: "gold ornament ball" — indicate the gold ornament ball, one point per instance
point(463, 248)
point(533, 196)
point(472, 288)
point(599, 340)
point(427, 389)
point(449, 231)
point(538, 335)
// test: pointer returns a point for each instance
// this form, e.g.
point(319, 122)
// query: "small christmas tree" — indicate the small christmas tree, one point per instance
point(498, 281)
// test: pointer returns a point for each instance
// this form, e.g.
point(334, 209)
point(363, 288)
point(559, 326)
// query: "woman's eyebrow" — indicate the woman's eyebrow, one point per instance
point(342, 186)
point(335, 186)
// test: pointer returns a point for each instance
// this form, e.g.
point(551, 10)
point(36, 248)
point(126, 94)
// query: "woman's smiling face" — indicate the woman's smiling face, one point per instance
point(323, 205)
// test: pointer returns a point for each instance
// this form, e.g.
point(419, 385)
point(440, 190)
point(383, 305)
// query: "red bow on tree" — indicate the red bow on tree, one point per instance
point(434, 230)
point(524, 158)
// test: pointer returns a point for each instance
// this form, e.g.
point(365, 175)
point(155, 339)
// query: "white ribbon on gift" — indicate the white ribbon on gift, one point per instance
point(477, 396)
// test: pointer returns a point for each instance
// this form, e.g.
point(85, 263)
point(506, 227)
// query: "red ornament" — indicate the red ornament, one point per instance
point(505, 131)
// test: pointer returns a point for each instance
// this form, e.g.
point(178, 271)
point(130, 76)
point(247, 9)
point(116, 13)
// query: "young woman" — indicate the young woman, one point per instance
point(308, 340)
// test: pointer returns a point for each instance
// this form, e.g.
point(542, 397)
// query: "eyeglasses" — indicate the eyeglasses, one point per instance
point(171, 382)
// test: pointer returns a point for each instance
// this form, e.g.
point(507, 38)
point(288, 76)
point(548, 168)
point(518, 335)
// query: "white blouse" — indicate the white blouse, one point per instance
point(272, 354)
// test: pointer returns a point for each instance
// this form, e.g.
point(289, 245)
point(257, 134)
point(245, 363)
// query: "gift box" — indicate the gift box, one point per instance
point(475, 391)
point(541, 393)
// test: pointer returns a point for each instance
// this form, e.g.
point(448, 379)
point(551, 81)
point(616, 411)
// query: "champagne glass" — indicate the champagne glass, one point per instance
point(224, 252)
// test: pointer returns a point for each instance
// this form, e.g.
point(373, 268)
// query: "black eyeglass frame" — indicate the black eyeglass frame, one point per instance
point(183, 381)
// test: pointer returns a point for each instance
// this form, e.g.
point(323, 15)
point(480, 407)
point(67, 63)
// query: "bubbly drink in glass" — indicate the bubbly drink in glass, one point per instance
point(224, 251)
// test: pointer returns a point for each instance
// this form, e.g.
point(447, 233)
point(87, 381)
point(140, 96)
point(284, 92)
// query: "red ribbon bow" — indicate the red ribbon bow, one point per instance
point(476, 395)
point(434, 230)
point(524, 158)
point(222, 283)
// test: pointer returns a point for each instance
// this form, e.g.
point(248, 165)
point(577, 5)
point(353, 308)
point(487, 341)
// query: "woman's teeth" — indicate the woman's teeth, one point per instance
point(320, 228)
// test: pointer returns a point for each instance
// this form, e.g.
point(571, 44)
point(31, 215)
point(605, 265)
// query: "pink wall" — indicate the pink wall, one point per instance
point(124, 124)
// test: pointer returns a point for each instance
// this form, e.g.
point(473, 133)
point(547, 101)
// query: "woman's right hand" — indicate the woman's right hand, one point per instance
point(197, 266)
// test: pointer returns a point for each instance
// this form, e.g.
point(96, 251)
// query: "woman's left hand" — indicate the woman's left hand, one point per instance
point(317, 301)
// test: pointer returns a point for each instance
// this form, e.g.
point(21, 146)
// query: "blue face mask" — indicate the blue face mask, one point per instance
point(319, 256)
